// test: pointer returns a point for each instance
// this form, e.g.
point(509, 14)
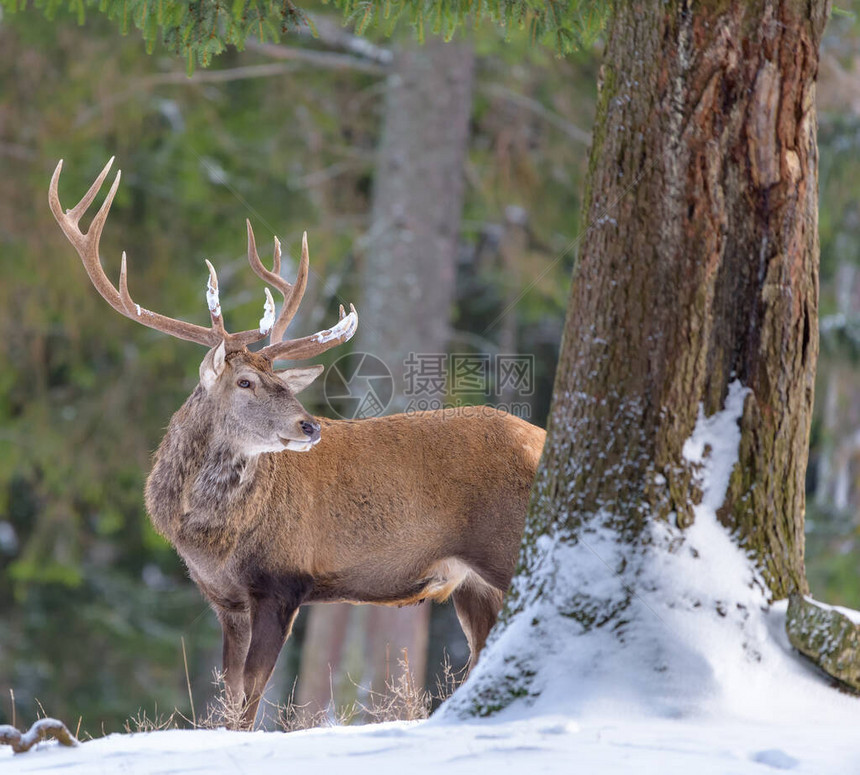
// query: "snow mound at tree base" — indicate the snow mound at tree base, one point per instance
point(675, 624)
point(701, 644)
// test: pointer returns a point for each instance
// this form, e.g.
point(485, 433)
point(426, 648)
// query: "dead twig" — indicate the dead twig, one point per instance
point(43, 729)
point(188, 683)
point(574, 132)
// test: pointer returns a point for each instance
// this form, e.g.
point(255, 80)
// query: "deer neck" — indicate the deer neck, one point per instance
point(199, 478)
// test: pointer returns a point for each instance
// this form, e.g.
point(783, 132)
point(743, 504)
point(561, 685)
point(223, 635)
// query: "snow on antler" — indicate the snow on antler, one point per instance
point(268, 319)
point(344, 330)
point(213, 300)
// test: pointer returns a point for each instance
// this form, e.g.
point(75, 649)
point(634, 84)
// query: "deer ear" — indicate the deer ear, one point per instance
point(298, 379)
point(212, 366)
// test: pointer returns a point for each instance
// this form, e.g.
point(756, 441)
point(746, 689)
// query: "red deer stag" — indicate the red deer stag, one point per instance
point(392, 510)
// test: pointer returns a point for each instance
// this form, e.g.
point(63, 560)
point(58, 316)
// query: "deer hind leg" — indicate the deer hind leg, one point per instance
point(477, 605)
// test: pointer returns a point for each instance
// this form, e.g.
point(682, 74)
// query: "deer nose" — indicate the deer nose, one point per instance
point(310, 429)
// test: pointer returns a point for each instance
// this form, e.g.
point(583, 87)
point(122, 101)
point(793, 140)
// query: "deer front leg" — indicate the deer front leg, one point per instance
point(236, 638)
point(271, 622)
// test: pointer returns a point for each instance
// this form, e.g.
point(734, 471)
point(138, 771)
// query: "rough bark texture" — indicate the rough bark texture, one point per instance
point(409, 270)
point(698, 270)
point(699, 267)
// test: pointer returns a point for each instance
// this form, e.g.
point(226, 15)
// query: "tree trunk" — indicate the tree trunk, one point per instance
point(698, 270)
point(409, 271)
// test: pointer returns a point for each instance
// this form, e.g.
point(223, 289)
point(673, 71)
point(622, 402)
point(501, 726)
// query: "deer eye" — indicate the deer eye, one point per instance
point(244, 383)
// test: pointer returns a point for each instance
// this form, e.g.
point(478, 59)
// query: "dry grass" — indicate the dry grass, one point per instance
point(223, 710)
point(401, 700)
point(292, 717)
point(141, 722)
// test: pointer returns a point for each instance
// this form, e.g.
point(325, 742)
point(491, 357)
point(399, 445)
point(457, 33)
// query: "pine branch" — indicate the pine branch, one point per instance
point(325, 59)
point(198, 30)
point(333, 35)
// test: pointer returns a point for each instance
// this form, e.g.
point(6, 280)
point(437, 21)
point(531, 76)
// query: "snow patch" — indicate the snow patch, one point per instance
point(848, 613)
point(268, 319)
point(714, 446)
point(549, 744)
point(8, 537)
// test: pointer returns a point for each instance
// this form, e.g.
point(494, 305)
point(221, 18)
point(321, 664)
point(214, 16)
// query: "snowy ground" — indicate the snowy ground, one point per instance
point(547, 744)
point(699, 679)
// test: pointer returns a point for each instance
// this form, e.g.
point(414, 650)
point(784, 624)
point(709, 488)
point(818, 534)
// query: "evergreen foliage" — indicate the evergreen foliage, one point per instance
point(201, 29)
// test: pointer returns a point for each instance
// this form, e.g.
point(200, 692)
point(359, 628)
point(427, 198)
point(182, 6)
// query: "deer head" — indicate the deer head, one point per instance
point(257, 404)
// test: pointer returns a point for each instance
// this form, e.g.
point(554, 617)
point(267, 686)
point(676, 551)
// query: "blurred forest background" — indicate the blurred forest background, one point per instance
point(331, 135)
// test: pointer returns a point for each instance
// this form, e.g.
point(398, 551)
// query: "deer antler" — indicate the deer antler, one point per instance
point(292, 293)
point(87, 246)
point(308, 346)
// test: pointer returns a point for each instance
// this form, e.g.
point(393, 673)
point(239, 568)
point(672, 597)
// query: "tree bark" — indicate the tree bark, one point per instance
point(698, 269)
point(409, 270)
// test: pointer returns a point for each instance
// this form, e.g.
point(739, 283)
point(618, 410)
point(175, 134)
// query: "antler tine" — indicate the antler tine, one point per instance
point(292, 293)
point(81, 207)
point(276, 257)
point(123, 285)
point(309, 346)
point(291, 306)
point(87, 245)
point(272, 278)
point(213, 301)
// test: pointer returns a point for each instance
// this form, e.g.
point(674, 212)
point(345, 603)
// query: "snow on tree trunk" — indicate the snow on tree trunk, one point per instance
point(695, 298)
point(409, 257)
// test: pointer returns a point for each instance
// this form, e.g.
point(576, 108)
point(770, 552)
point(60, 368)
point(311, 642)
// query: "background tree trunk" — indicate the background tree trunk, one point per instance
point(409, 270)
point(698, 269)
